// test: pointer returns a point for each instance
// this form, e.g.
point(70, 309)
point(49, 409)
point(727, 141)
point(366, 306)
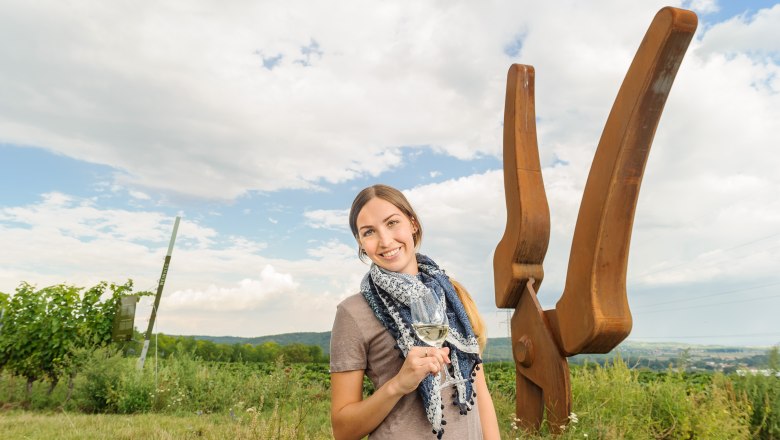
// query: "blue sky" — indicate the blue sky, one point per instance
point(259, 123)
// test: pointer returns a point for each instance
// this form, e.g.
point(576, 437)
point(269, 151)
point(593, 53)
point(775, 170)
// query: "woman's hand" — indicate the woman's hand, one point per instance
point(420, 362)
point(353, 417)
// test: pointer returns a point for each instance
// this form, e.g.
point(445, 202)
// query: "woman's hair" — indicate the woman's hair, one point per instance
point(397, 199)
point(477, 324)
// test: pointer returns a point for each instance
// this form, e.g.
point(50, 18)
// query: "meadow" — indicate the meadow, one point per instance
point(182, 397)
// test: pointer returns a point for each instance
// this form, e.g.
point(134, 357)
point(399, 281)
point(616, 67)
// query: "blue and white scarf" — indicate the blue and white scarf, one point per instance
point(388, 294)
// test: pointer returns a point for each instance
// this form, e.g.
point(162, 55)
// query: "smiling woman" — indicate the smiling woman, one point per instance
point(372, 336)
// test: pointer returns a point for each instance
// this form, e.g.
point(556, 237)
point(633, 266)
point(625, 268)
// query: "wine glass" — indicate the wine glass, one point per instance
point(429, 319)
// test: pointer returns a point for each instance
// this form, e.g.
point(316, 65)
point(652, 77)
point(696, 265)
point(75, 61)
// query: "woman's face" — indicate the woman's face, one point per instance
point(385, 233)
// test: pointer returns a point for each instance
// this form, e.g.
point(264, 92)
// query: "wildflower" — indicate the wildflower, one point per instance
point(573, 418)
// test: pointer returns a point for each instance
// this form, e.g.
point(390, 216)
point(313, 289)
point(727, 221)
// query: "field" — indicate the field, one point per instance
point(185, 398)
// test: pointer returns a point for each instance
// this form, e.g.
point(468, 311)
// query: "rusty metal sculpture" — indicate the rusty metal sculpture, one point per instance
point(592, 315)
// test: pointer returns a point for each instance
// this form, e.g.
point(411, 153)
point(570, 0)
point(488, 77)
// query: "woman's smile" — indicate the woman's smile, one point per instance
point(392, 253)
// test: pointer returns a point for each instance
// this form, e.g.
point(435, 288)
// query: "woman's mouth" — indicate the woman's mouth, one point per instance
point(391, 254)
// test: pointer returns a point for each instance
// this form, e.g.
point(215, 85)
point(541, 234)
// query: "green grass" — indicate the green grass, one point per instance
point(67, 426)
point(186, 398)
point(613, 402)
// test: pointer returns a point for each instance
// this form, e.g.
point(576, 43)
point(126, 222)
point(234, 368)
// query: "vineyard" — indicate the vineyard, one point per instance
point(62, 377)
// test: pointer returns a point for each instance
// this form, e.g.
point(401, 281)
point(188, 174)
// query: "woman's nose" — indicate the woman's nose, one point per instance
point(385, 238)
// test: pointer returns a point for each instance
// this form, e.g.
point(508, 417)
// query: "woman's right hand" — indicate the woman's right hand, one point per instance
point(420, 362)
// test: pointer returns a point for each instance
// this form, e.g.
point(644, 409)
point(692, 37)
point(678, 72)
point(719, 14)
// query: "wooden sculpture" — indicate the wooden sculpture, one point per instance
point(592, 315)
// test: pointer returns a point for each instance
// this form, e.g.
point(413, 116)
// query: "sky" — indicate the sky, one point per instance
point(258, 123)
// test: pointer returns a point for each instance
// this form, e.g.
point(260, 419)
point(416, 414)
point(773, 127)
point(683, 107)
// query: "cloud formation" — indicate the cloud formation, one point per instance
point(216, 103)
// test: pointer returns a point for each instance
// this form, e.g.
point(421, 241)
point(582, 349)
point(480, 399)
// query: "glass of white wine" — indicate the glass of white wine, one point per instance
point(429, 319)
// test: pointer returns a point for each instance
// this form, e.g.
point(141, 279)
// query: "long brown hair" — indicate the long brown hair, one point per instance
point(397, 199)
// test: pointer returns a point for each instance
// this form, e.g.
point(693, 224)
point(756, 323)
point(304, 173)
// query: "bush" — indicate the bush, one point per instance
point(98, 388)
point(284, 398)
point(763, 394)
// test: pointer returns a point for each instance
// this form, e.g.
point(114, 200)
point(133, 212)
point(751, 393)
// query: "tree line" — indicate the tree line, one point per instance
point(167, 346)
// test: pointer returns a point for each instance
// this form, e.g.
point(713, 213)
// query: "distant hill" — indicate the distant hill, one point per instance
point(321, 339)
point(656, 355)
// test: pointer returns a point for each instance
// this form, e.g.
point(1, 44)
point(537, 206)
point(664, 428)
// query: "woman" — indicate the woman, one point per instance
point(371, 336)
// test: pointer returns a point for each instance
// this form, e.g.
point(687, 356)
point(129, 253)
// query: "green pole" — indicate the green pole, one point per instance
point(160, 286)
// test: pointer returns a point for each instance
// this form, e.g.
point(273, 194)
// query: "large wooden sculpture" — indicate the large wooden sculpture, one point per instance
point(592, 315)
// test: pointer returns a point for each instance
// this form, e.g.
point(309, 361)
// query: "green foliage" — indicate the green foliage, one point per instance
point(291, 400)
point(111, 384)
point(615, 401)
point(222, 352)
point(99, 386)
point(45, 332)
point(762, 391)
point(773, 359)
point(38, 331)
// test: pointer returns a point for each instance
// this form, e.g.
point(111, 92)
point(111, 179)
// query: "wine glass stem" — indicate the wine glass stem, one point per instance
point(446, 379)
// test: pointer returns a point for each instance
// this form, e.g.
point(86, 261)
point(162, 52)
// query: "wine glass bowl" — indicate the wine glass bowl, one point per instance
point(429, 320)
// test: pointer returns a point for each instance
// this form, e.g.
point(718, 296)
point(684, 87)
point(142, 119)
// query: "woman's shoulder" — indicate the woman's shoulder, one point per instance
point(355, 308)
point(353, 303)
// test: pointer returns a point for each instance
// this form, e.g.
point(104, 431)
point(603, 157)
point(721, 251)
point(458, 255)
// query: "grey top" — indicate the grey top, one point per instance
point(360, 342)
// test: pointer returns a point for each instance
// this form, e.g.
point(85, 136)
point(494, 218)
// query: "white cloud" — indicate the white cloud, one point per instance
point(249, 294)
point(337, 219)
point(702, 6)
point(757, 35)
point(183, 103)
point(139, 195)
point(180, 101)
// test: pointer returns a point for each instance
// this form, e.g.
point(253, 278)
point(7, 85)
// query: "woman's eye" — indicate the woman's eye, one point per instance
point(368, 232)
point(392, 222)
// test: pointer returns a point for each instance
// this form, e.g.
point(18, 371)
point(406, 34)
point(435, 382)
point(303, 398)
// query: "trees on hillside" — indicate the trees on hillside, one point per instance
point(219, 352)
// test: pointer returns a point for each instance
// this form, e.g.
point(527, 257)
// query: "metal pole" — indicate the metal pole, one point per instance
point(148, 335)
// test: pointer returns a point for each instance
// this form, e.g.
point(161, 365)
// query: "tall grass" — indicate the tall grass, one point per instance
point(611, 402)
point(763, 393)
point(291, 401)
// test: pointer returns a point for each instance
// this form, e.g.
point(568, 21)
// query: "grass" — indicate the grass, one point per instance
point(72, 426)
point(190, 399)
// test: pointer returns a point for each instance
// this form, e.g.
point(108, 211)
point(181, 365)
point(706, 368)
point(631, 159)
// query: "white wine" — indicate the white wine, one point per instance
point(432, 334)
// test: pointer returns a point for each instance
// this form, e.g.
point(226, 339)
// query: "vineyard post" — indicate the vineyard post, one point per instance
point(160, 285)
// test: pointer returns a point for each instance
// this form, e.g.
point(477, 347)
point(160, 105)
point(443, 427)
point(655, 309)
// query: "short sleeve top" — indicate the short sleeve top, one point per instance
point(360, 342)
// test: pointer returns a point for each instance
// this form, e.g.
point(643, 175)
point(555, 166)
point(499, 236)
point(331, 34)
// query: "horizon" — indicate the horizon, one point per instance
point(627, 340)
point(258, 124)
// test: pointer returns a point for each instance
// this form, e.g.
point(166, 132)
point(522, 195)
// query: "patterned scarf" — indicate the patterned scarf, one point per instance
point(389, 293)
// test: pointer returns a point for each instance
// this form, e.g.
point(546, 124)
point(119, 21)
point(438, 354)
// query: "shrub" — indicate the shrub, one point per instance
point(97, 388)
point(763, 394)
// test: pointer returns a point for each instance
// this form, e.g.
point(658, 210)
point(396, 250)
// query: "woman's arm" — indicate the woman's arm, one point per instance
point(353, 417)
point(487, 413)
